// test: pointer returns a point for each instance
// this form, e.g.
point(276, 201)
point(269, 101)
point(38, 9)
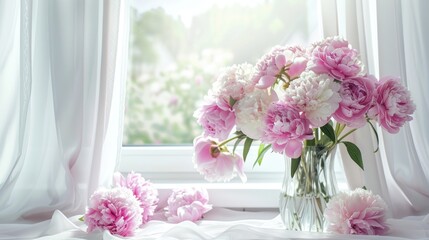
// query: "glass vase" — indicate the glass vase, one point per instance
point(304, 196)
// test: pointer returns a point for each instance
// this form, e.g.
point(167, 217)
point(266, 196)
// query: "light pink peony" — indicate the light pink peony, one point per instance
point(187, 204)
point(356, 98)
point(392, 105)
point(251, 110)
point(234, 82)
point(143, 190)
point(356, 212)
point(216, 118)
point(315, 95)
point(335, 57)
point(268, 67)
point(116, 210)
point(216, 163)
point(296, 60)
point(291, 59)
point(286, 129)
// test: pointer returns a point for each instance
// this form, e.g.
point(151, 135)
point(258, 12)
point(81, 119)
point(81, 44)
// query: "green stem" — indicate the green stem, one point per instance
point(337, 128)
point(230, 139)
point(306, 175)
point(340, 128)
point(348, 133)
point(316, 135)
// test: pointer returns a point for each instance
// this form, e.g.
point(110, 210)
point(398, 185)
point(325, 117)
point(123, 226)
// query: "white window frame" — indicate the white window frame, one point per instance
point(169, 167)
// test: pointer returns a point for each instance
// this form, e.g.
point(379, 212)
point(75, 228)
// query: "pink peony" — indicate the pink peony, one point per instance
point(251, 110)
point(291, 59)
point(216, 163)
point(356, 212)
point(286, 129)
point(393, 105)
point(335, 57)
point(187, 204)
point(234, 82)
point(268, 67)
point(296, 60)
point(143, 190)
point(216, 118)
point(116, 210)
point(315, 95)
point(356, 98)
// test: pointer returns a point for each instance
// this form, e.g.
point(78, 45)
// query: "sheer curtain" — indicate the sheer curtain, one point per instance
point(62, 66)
point(393, 40)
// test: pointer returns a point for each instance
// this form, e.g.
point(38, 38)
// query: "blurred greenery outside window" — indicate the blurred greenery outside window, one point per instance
point(177, 49)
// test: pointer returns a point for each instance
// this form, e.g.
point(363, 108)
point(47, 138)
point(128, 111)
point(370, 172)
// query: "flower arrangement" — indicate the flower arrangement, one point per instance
point(357, 212)
point(294, 97)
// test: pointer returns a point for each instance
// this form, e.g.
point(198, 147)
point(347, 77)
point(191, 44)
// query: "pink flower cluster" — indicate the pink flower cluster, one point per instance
point(335, 57)
point(187, 204)
point(286, 129)
point(356, 212)
point(290, 92)
point(142, 190)
point(123, 208)
point(132, 201)
point(115, 210)
point(392, 106)
point(290, 61)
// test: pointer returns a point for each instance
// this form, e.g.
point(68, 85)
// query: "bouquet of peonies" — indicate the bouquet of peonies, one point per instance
point(294, 97)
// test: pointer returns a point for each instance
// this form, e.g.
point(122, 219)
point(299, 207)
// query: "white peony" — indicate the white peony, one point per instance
point(316, 95)
point(234, 82)
point(251, 110)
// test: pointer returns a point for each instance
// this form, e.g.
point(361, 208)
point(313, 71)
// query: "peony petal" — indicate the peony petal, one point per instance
point(265, 82)
point(293, 149)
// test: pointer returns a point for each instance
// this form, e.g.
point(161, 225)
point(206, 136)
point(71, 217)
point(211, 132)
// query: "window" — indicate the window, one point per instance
point(176, 51)
point(178, 48)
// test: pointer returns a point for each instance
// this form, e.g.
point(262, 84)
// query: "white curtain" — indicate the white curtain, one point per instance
point(393, 39)
point(62, 66)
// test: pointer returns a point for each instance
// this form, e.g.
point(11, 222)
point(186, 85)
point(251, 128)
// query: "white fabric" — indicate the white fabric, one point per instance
point(61, 104)
point(393, 39)
point(406, 154)
point(217, 224)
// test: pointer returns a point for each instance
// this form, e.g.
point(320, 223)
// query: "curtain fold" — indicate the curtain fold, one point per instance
point(392, 40)
point(62, 101)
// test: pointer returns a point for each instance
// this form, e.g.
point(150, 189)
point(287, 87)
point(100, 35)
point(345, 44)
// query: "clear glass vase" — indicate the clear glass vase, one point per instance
point(304, 196)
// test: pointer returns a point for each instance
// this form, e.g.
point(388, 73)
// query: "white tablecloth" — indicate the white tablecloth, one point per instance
point(219, 224)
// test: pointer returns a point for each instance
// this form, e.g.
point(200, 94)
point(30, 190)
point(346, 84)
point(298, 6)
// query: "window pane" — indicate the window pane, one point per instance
point(177, 49)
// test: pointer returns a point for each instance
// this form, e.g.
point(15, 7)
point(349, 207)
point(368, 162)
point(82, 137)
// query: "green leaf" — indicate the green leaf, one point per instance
point(261, 147)
point(294, 165)
point(246, 148)
point(261, 154)
point(376, 135)
point(81, 219)
point(237, 142)
point(354, 153)
point(328, 130)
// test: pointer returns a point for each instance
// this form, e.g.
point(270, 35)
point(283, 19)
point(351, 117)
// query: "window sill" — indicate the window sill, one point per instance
point(232, 195)
point(169, 167)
